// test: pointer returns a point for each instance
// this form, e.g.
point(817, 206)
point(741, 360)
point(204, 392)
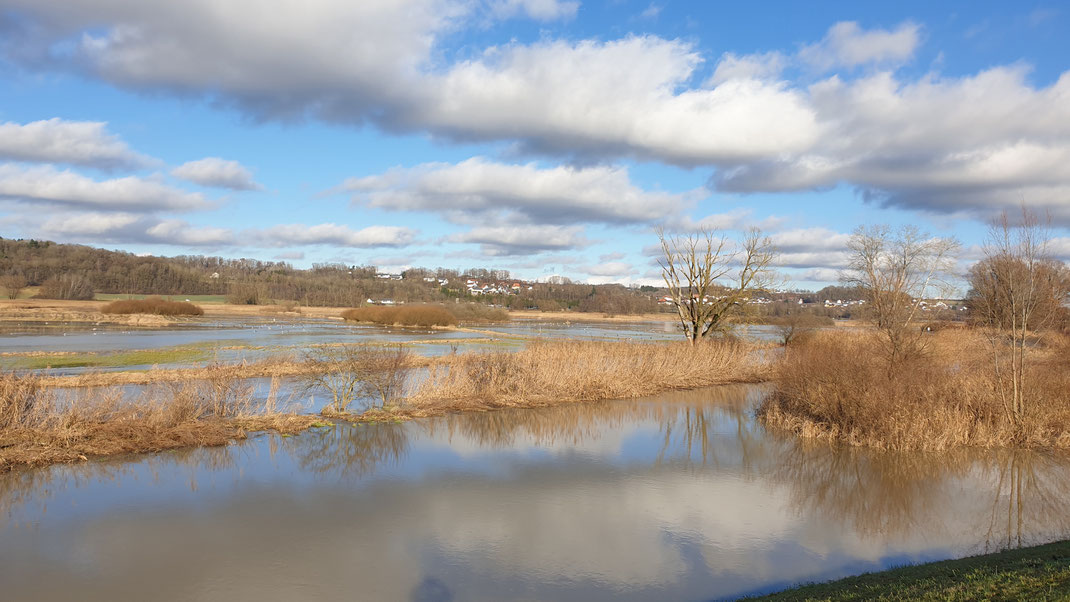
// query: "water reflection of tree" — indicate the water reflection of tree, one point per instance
point(1029, 498)
point(895, 494)
point(349, 450)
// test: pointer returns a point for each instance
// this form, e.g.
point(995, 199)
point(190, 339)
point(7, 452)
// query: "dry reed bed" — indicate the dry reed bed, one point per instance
point(838, 386)
point(212, 405)
point(553, 373)
point(38, 426)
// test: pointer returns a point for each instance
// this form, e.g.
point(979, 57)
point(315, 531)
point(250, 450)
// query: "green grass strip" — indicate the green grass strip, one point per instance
point(1036, 573)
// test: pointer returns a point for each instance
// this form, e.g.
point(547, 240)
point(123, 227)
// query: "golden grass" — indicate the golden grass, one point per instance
point(552, 373)
point(404, 315)
point(38, 426)
point(152, 305)
point(838, 386)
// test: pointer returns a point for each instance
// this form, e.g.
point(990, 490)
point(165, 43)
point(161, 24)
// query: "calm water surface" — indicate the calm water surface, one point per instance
point(679, 496)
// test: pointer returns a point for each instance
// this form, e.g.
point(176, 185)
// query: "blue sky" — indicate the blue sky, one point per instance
point(540, 136)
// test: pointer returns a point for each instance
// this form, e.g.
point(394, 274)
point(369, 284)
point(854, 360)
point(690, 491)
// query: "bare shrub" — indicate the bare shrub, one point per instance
point(896, 271)
point(836, 385)
point(72, 287)
point(1017, 290)
point(349, 372)
point(795, 326)
point(13, 285)
point(153, 305)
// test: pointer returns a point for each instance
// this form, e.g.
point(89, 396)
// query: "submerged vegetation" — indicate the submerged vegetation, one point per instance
point(152, 305)
point(41, 426)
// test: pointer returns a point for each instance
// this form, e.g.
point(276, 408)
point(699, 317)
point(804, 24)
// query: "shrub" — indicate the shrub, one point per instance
point(153, 305)
point(839, 386)
point(406, 315)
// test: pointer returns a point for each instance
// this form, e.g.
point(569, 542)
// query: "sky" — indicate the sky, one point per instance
point(545, 137)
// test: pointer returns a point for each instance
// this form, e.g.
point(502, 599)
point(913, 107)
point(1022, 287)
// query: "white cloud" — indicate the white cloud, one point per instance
point(976, 144)
point(86, 143)
point(613, 269)
point(478, 187)
point(847, 45)
point(651, 12)
point(574, 98)
point(132, 228)
point(45, 183)
point(220, 173)
point(523, 240)
point(540, 10)
point(330, 234)
point(913, 143)
point(762, 66)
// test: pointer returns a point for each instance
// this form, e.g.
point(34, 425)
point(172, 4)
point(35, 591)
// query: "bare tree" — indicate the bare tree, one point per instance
point(896, 271)
point(709, 278)
point(13, 285)
point(349, 372)
point(1018, 288)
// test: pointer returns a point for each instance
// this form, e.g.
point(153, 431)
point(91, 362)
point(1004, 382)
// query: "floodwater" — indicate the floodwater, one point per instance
point(680, 496)
point(257, 338)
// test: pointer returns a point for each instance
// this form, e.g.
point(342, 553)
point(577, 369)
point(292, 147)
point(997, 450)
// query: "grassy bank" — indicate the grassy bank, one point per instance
point(840, 386)
point(38, 426)
point(138, 357)
point(1037, 573)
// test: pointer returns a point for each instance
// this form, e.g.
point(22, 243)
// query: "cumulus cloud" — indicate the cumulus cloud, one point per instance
point(285, 235)
point(478, 187)
point(133, 228)
point(220, 173)
point(847, 45)
point(85, 143)
point(921, 145)
point(913, 143)
point(47, 184)
point(523, 240)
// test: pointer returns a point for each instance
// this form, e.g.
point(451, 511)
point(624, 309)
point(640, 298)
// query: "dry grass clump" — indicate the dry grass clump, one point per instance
point(549, 373)
point(404, 315)
point(40, 426)
point(153, 305)
point(839, 386)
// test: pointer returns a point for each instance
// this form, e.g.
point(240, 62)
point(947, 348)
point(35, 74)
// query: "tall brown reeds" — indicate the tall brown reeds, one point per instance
point(152, 305)
point(838, 386)
point(44, 426)
point(567, 371)
point(403, 315)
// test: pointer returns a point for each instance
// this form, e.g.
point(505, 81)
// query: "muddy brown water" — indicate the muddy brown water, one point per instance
point(679, 496)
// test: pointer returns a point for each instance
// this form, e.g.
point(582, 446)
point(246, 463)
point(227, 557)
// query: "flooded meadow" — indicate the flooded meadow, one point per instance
point(677, 496)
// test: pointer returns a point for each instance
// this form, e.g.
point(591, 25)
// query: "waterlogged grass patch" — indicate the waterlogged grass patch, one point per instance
point(144, 357)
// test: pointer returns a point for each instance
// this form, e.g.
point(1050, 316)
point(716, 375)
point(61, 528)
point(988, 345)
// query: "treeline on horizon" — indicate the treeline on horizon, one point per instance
point(70, 271)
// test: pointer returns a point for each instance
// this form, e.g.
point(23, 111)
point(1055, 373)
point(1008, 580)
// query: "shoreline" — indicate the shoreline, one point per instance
point(1032, 573)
